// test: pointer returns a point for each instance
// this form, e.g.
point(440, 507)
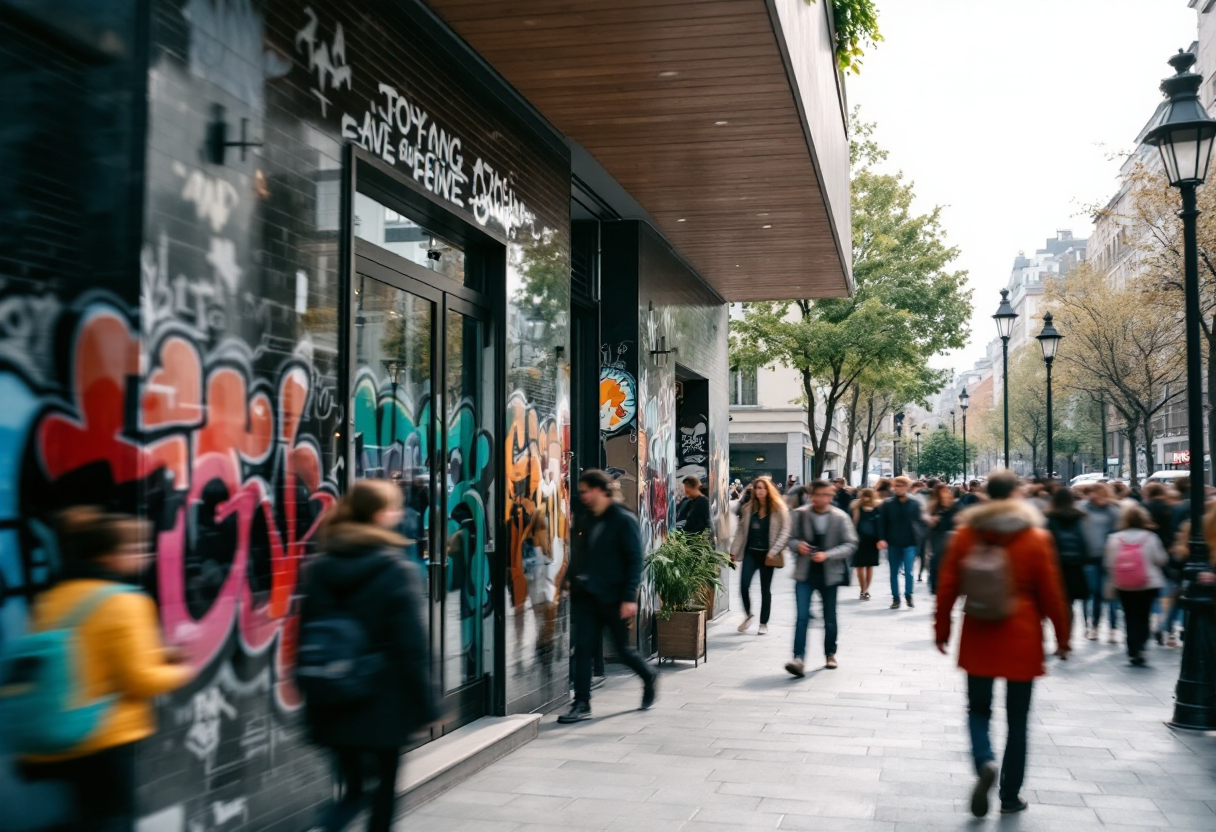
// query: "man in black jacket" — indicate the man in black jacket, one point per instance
point(692, 517)
point(903, 531)
point(605, 572)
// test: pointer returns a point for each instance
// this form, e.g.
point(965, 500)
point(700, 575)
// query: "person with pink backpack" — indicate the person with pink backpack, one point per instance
point(1134, 557)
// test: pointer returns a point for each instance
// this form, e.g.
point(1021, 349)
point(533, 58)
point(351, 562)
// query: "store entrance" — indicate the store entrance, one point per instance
point(422, 417)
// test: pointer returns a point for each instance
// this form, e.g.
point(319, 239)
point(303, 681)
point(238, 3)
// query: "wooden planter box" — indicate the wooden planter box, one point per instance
point(683, 637)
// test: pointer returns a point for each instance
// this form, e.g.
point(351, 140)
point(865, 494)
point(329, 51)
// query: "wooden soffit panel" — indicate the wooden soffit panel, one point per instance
point(644, 86)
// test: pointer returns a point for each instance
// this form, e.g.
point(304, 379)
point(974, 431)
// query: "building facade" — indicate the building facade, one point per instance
point(256, 250)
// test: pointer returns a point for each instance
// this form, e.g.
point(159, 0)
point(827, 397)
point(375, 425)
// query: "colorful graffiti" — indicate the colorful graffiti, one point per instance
point(618, 392)
point(537, 518)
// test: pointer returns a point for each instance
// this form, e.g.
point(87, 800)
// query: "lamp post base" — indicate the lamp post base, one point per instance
point(1195, 694)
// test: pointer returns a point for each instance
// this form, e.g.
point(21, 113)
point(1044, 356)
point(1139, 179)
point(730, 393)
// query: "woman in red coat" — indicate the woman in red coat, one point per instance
point(1012, 648)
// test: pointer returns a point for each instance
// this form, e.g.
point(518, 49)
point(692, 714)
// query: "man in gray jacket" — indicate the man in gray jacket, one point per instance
point(823, 539)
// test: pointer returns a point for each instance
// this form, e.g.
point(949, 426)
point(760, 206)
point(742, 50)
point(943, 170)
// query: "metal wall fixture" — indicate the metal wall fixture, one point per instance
point(217, 137)
point(661, 355)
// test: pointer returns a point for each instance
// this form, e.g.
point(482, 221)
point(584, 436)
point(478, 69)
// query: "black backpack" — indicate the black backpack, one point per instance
point(336, 662)
point(1070, 543)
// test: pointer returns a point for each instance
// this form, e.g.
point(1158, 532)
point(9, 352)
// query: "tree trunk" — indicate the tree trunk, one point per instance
point(1211, 406)
point(1147, 429)
point(847, 473)
point(818, 453)
point(865, 443)
point(1133, 462)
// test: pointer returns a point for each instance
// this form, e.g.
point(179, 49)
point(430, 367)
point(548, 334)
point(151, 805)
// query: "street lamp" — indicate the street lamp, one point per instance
point(964, 401)
point(1183, 133)
point(1004, 317)
point(953, 424)
point(1049, 340)
point(899, 433)
point(917, 434)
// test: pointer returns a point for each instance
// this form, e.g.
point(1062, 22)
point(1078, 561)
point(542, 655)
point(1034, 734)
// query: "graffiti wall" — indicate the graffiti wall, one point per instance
point(193, 377)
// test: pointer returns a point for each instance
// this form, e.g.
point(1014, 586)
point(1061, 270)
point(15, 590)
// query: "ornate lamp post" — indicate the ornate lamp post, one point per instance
point(964, 401)
point(1183, 134)
point(1004, 317)
point(899, 435)
point(917, 434)
point(1049, 340)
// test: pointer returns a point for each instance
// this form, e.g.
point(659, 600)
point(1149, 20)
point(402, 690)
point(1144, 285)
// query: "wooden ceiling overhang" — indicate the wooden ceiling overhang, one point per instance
point(703, 110)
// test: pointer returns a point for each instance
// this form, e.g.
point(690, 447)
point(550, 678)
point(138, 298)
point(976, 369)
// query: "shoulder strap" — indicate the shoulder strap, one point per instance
point(76, 616)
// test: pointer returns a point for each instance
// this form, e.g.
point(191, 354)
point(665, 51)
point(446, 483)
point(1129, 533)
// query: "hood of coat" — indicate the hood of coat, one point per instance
point(355, 553)
point(1002, 517)
point(1066, 516)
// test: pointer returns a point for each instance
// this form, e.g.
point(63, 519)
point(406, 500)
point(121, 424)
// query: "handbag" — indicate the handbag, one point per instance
point(775, 559)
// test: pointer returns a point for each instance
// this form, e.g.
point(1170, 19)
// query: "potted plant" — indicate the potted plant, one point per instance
point(684, 571)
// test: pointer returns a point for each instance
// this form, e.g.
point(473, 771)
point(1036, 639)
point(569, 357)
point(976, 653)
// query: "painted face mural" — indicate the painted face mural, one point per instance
point(618, 399)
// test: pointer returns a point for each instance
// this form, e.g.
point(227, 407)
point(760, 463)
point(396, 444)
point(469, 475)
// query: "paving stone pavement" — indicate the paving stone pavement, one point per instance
point(879, 745)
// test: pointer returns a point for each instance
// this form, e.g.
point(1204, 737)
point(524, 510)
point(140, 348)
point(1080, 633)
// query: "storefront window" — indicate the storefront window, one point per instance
point(402, 236)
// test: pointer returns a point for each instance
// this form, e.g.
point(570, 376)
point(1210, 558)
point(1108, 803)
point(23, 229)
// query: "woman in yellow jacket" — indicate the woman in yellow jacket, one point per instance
point(120, 655)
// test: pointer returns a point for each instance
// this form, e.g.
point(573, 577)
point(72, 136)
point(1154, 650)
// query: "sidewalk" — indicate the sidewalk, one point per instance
point(879, 745)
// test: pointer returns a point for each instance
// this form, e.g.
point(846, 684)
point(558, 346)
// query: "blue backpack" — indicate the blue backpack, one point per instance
point(40, 688)
point(335, 662)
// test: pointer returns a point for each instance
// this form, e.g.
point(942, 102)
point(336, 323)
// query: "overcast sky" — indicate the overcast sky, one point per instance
point(1006, 115)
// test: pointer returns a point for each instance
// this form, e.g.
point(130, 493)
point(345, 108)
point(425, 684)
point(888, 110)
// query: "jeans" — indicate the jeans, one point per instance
point(103, 788)
point(1173, 591)
point(752, 564)
point(355, 765)
point(1137, 607)
point(591, 617)
point(904, 556)
point(979, 715)
point(1096, 575)
point(802, 597)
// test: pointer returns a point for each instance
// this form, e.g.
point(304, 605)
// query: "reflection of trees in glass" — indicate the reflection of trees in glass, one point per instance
point(406, 344)
point(537, 322)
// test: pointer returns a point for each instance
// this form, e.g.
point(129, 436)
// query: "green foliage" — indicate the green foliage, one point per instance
point(856, 24)
point(908, 304)
point(941, 455)
point(683, 570)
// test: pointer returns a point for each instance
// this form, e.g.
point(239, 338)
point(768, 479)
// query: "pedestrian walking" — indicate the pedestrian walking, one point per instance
point(759, 546)
point(692, 517)
point(605, 573)
point(1005, 564)
point(867, 520)
point(1065, 522)
point(1134, 558)
point(903, 525)
point(83, 729)
point(823, 539)
point(844, 495)
point(1101, 519)
point(362, 612)
point(943, 512)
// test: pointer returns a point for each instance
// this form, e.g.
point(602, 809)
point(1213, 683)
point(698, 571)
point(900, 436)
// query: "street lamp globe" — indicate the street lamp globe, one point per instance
point(1183, 132)
point(1049, 338)
point(964, 401)
point(1005, 316)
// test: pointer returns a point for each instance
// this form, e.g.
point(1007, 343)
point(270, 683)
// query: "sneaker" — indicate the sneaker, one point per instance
point(1114, 637)
point(796, 668)
point(1159, 637)
point(747, 623)
point(1091, 633)
point(908, 598)
point(1016, 806)
point(598, 682)
point(830, 663)
point(579, 712)
point(1138, 661)
point(895, 603)
point(1171, 641)
point(763, 630)
point(650, 693)
point(979, 795)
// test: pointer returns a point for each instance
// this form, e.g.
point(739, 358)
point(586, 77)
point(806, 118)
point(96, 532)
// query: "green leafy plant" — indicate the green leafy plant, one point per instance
point(856, 23)
point(683, 570)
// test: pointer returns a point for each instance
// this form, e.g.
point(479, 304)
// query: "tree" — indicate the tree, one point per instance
point(1124, 345)
point(1156, 237)
point(875, 397)
point(856, 25)
point(941, 455)
point(907, 305)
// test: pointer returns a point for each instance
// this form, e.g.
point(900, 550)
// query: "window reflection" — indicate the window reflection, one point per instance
point(402, 236)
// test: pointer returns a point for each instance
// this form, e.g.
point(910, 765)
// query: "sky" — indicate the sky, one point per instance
point(1008, 114)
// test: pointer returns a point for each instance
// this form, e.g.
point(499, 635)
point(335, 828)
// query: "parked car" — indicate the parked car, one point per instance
point(1168, 477)
point(1085, 479)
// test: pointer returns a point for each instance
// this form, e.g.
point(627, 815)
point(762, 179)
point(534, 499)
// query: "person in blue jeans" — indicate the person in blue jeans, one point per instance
point(903, 531)
point(822, 539)
point(1101, 518)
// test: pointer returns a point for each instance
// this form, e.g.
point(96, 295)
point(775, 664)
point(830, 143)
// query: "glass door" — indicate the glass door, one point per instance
point(422, 417)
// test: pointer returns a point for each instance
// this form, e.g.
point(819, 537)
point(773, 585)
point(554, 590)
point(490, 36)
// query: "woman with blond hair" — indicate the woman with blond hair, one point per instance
point(759, 545)
point(867, 519)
